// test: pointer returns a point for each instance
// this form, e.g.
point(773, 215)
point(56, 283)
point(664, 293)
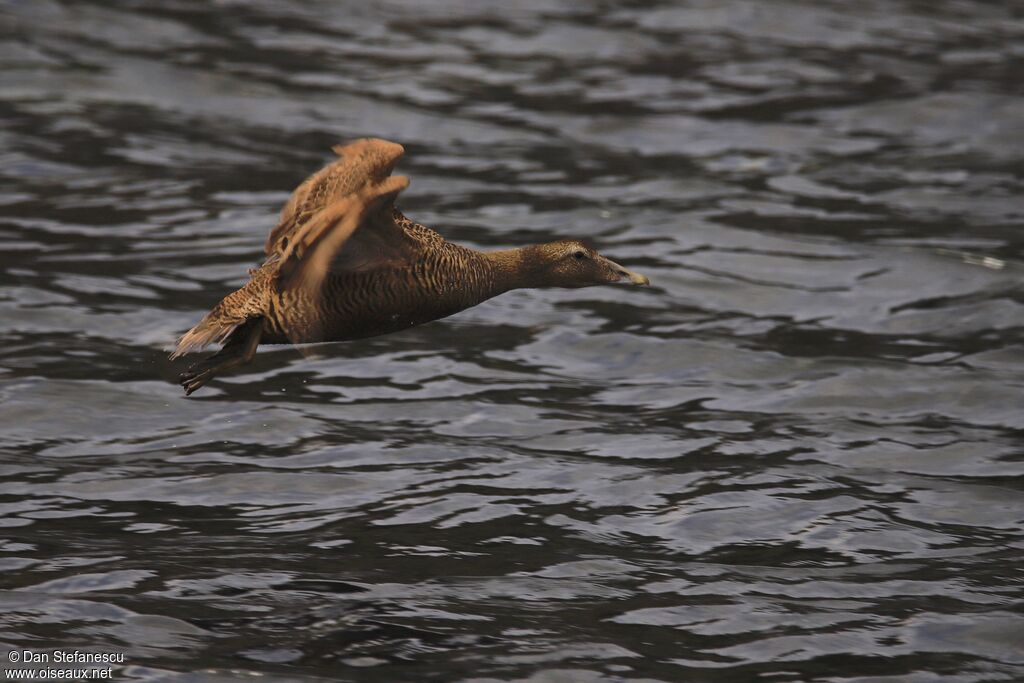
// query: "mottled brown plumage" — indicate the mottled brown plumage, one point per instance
point(343, 263)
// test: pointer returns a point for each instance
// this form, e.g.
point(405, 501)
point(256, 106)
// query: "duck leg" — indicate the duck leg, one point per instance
point(238, 349)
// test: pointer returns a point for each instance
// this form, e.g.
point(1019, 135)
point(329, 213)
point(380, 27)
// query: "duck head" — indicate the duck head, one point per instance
point(571, 263)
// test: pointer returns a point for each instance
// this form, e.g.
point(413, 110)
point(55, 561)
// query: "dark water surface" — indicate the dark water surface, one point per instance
point(797, 456)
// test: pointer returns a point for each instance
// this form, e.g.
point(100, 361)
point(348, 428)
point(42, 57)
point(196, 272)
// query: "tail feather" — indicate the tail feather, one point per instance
point(233, 310)
point(212, 329)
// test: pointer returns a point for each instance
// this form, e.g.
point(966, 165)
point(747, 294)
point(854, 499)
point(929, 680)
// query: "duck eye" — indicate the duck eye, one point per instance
point(579, 255)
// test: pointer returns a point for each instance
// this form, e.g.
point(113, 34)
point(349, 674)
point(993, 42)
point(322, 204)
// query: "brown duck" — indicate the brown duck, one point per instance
point(343, 263)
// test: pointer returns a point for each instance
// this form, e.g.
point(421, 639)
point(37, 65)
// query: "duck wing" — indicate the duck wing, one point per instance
point(361, 163)
point(356, 233)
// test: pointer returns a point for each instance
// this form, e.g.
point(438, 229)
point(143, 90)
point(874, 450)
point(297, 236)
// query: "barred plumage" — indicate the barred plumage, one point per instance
point(344, 264)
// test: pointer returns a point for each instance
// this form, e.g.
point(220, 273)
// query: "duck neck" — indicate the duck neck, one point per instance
point(512, 269)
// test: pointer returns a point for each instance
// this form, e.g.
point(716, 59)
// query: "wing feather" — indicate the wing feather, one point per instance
point(361, 163)
point(359, 225)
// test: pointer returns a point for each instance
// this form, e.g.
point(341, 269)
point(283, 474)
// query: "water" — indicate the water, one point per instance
point(797, 456)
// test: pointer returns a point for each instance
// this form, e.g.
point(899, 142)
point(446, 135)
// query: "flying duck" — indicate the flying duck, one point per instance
point(343, 263)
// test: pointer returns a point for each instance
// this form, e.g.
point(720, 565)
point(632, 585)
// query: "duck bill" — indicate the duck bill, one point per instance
point(623, 274)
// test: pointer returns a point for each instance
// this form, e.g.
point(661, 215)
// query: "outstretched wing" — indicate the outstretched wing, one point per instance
point(362, 163)
point(353, 234)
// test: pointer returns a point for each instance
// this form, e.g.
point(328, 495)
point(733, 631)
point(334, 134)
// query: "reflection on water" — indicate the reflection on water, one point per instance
point(797, 456)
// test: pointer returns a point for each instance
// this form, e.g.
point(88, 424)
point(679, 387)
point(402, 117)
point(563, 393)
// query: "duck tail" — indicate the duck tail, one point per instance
point(212, 329)
point(233, 310)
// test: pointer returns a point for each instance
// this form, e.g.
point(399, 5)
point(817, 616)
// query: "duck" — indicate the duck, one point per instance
point(344, 263)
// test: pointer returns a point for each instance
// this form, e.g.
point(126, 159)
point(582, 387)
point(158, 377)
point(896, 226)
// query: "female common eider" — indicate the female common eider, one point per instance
point(343, 263)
